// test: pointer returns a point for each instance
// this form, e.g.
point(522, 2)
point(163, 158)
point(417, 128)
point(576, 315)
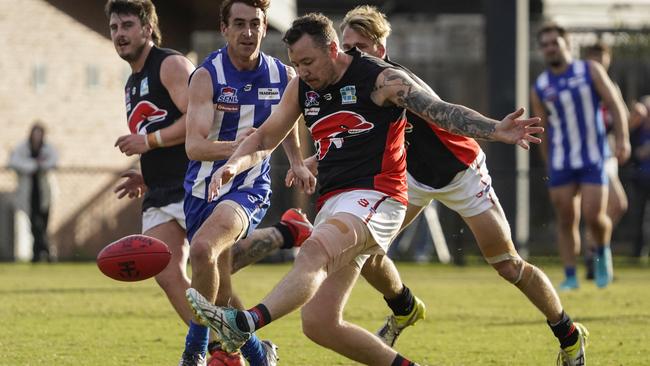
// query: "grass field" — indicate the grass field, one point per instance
point(70, 314)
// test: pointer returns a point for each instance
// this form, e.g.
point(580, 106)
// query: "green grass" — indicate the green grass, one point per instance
point(70, 314)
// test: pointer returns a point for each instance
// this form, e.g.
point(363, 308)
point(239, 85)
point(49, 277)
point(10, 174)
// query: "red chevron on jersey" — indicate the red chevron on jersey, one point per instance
point(334, 128)
point(145, 111)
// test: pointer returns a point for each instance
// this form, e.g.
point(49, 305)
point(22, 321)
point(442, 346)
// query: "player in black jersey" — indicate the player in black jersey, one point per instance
point(156, 101)
point(456, 174)
point(354, 105)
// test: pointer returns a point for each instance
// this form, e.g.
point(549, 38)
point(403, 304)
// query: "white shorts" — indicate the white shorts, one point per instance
point(469, 193)
point(382, 215)
point(155, 216)
point(611, 166)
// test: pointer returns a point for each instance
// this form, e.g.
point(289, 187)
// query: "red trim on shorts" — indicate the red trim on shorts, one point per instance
point(322, 199)
point(489, 192)
point(374, 209)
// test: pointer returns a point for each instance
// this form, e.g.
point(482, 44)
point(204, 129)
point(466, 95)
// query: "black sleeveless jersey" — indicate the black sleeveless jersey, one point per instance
point(434, 155)
point(359, 144)
point(149, 107)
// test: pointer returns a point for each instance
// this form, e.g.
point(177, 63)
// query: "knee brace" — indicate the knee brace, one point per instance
point(341, 238)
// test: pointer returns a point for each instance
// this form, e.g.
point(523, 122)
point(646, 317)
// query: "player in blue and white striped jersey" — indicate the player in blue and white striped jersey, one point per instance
point(567, 96)
point(232, 92)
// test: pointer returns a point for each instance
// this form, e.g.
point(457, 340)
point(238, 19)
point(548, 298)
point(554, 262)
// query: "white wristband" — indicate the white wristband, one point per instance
point(159, 140)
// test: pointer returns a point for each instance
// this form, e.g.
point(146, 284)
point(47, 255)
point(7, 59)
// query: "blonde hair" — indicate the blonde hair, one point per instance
point(369, 22)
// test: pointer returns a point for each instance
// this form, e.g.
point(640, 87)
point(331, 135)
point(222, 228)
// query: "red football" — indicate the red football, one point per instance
point(133, 258)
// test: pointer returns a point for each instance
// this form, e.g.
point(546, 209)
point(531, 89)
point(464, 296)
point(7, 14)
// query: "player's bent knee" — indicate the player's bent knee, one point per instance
point(202, 251)
point(372, 265)
point(331, 240)
point(510, 266)
point(317, 328)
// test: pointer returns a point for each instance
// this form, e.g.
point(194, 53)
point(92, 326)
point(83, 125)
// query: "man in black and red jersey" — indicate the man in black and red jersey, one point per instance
point(354, 106)
point(449, 168)
point(156, 102)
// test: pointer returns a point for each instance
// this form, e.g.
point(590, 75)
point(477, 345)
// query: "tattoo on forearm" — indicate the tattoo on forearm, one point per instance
point(451, 117)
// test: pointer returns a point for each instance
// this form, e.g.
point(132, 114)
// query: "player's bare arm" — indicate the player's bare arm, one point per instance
point(303, 176)
point(200, 115)
point(260, 144)
point(537, 107)
point(397, 87)
point(615, 105)
point(174, 74)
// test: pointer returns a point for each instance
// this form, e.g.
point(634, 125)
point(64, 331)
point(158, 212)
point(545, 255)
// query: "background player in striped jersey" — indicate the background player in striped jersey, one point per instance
point(353, 105)
point(617, 202)
point(231, 93)
point(567, 96)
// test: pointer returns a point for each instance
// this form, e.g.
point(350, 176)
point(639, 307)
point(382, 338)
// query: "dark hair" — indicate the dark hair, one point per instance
point(552, 27)
point(227, 5)
point(317, 25)
point(145, 10)
point(597, 48)
point(36, 146)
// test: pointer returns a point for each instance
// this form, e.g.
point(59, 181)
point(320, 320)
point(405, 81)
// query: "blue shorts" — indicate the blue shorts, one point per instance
point(254, 202)
point(593, 174)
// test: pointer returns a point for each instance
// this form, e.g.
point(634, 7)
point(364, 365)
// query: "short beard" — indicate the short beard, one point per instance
point(555, 64)
point(131, 57)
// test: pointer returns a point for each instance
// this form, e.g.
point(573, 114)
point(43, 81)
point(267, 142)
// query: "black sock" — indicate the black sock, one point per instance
point(565, 331)
point(287, 237)
point(401, 361)
point(253, 319)
point(403, 303)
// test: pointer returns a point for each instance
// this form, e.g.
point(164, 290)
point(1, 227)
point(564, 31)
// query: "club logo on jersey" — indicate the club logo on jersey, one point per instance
point(348, 94)
point(334, 128)
point(144, 86)
point(227, 100)
point(549, 94)
point(144, 114)
point(228, 95)
point(576, 81)
point(268, 94)
point(311, 98)
point(313, 111)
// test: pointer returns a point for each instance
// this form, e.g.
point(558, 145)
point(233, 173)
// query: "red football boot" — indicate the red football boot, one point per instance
point(219, 357)
point(298, 224)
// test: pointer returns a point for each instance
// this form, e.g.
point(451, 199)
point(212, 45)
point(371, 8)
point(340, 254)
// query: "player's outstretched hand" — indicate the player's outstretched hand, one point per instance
point(133, 186)
point(132, 144)
point(219, 179)
point(307, 179)
point(520, 131)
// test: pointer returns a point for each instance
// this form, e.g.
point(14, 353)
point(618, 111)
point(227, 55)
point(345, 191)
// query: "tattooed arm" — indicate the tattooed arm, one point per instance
point(396, 87)
point(256, 247)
